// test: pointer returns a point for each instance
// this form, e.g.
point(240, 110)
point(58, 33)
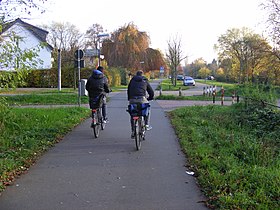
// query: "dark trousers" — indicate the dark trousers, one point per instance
point(99, 102)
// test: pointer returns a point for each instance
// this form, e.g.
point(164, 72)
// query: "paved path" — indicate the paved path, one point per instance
point(108, 173)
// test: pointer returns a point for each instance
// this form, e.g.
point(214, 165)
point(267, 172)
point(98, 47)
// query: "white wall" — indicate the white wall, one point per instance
point(30, 41)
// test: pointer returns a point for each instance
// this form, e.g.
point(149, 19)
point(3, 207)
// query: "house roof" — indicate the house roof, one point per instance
point(40, 33)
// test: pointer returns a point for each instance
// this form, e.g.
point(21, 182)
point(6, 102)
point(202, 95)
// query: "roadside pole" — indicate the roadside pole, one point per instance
point(222, 95)
point(59, 69)
point(79, 55)
point(79, 79)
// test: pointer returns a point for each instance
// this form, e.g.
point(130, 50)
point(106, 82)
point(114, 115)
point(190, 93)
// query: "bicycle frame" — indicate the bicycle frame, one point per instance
point(97, 121)
point(139, 130)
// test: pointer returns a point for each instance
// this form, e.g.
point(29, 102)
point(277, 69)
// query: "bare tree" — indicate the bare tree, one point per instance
point(174, 57)
point(273, 20)
point(11, 8)
point(92, 35)
point(64, 36)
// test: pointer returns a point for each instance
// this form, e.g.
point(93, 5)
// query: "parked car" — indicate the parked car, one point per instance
point(210, 78)
point(189, 81)
point(180, 77)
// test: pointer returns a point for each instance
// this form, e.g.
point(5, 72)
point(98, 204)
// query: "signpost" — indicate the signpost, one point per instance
point(79, 54)
point(161, 71)
point(92, 52)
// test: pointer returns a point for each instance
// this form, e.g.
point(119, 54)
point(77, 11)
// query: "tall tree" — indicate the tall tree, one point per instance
point(67, 38)
point(64, 36)
point(244, 48)
point(10, 8)
point(273, 20)
point(154, 59)
point(195, 66)
point(175, 57)
point(92, 35)
point(126, 47)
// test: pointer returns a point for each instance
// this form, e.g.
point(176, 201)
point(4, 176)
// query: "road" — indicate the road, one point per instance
point(108, 173)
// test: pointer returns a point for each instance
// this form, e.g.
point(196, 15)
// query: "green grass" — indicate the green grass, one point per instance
point(44, 98)
point(176, 97)
point(118, 88)
point(26, 133)
point(235, 168)
point(166, 85)
point(37, 90)
point(220, 84)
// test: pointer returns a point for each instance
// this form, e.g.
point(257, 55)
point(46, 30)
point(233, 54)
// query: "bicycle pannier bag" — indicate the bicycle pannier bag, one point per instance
point(138, 109)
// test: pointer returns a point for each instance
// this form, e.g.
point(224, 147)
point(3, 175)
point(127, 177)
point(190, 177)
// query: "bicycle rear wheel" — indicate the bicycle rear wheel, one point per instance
point(96, 125)
point(143, 129)
point(137, 132)
point(101, 120)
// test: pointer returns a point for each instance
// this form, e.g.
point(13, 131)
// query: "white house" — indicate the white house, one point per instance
point(31, 37)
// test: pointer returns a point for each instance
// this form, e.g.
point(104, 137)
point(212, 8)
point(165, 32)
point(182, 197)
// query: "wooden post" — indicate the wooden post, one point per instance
point(180, 91)
point(222, 95)
point(233, 97)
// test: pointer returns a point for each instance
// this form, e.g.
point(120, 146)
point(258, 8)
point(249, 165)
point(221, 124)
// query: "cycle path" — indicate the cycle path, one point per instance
point(81, 172)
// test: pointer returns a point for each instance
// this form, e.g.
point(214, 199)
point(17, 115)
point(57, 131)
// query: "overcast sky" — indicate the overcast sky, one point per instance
point(198, 23)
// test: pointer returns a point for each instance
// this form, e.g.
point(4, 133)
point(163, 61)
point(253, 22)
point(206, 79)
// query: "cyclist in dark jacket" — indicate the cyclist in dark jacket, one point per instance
point(97, 85)
point(136, 93)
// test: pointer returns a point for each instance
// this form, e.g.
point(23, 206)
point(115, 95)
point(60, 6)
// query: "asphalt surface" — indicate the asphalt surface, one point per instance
point(107, 173)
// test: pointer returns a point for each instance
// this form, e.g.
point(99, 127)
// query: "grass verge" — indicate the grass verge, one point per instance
point(44, 99)
point(236, 168)
point(192, 98)
point(166, 85)
point(26, 133)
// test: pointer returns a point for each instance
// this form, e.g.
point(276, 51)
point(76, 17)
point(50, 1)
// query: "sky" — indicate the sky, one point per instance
point(197, 23)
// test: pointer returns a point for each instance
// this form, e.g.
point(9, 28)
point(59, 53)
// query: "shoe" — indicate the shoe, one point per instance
point(105, 120)
point(148, 127)
point(132, 135)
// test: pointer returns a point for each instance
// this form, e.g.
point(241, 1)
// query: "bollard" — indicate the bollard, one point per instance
point(233, 97)
point(203, 91)
point(222, 95)
point(160, 91)
point(180, 91)
point(214, 95)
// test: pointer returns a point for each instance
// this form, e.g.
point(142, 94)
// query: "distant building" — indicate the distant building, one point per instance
point(31, 36)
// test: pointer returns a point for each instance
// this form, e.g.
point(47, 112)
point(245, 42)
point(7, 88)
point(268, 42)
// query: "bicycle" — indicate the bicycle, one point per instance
point(97, 123)
point(137, 112)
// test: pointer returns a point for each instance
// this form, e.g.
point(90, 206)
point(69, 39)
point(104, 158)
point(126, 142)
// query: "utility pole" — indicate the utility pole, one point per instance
point(59, 69)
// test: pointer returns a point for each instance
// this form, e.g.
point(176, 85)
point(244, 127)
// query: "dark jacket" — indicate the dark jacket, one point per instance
point(138, 86)
point(97, 84)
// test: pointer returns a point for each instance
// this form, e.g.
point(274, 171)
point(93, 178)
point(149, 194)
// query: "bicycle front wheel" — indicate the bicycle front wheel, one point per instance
point(96, 125)
point(137, 132)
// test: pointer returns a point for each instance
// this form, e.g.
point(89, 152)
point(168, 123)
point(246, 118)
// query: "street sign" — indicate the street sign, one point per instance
point(161, 70)
point(92, 52)
point(82, 64)
point(79, 54)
